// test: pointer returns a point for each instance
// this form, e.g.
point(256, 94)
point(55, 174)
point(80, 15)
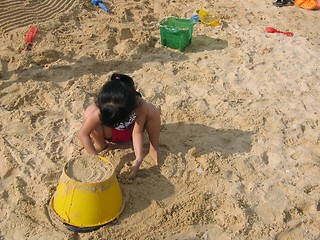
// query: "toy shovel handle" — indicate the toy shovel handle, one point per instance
point(31, 33)
point(289, 34)
point(273, 30)
point(103, 7)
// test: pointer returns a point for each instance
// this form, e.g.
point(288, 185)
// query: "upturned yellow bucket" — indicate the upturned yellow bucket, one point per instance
point(85, 205)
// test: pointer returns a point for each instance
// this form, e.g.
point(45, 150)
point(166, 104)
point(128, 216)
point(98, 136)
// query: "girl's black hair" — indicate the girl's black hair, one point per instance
point(116, 100)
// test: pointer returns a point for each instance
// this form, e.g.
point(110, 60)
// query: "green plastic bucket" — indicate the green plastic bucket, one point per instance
point(176, 32)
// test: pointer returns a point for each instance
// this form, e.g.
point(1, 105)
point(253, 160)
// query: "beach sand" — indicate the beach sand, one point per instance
point(240, 137)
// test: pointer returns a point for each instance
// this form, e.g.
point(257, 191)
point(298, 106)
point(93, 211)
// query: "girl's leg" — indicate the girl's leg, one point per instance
point(99, 136)
point(100, 133)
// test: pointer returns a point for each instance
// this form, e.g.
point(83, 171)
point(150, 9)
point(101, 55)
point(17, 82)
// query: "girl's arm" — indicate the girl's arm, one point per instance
point(137, 138)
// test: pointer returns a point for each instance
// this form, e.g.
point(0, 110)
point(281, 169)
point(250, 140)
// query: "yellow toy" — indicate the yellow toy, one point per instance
point(82, 206)
point(207, 19)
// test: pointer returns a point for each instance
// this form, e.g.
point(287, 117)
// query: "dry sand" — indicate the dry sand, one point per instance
point(240, 156)
point(89, 169)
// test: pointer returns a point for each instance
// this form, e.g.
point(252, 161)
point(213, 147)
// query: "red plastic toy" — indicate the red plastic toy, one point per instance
point(31, 34)
point(273, 30)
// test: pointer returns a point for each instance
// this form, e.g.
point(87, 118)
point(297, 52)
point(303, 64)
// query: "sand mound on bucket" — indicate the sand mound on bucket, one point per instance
point(89, 169)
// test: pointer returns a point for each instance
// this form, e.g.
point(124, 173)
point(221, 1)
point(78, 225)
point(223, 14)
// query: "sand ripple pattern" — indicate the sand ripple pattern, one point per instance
point(17, 14)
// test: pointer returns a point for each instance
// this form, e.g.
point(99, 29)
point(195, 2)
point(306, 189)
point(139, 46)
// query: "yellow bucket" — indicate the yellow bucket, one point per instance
point(207, 19)
point(87, 205)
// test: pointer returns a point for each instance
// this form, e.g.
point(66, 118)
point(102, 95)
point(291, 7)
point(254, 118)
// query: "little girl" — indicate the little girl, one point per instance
point(120, 114)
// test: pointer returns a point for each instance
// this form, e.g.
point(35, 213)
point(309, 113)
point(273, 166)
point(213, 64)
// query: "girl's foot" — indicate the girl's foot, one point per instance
point(154, 154)
point(134, 169)
point(101, 148)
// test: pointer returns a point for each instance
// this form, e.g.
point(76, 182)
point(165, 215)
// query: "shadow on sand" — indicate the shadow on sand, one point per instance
point(178, 138)
point(181, 137)
point(76, 68)
point(203, 43)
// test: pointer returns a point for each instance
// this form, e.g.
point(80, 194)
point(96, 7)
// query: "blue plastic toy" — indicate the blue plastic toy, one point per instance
point(195, 17)
point(100, 4)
